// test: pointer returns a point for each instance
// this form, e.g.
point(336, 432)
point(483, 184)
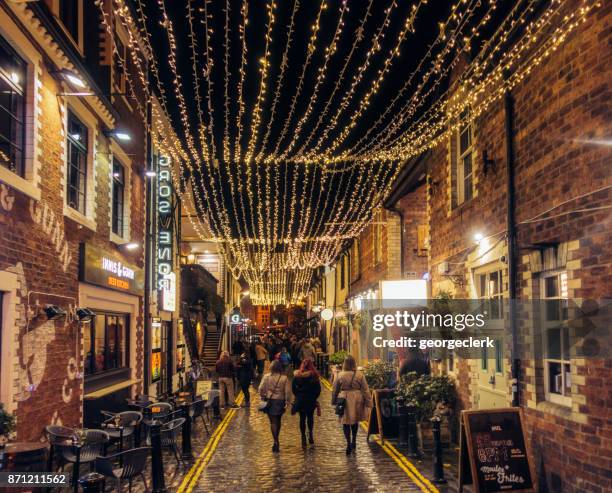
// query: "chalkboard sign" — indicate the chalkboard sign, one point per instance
point(493, 452)
point(384, 416)
point(203, 387)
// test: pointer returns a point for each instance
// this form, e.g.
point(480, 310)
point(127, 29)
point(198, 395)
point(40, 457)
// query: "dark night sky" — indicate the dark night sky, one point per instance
point(412, 50)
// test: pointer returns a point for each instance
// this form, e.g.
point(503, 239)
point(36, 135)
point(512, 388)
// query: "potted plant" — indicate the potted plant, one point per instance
point(380, 374)
point(335, 362)
point(7, 425)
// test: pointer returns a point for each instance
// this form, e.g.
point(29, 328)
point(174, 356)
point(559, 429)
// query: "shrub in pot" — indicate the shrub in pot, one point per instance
point(337, 358)
point(380, 374)
point(7, 425)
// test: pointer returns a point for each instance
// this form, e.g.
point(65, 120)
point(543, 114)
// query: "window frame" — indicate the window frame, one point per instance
point(487, 296)
point(83, 150)
point(21, 89)
point(563, 398)
point(465, 124)
point(118, 229)
point(56, 10)
point(91, 326)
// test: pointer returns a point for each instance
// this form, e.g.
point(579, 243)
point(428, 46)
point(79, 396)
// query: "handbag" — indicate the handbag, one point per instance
point(265, 403)
point(341, 401)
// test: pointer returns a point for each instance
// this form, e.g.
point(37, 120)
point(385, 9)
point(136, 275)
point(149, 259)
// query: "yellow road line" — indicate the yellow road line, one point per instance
point(401, 460)
point(194, 473)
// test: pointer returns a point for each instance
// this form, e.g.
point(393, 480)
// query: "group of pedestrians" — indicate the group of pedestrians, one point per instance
point(278, 392)
point(350, 396)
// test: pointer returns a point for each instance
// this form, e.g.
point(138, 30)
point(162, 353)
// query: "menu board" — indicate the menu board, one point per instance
point(384, 416)
point(493, 454)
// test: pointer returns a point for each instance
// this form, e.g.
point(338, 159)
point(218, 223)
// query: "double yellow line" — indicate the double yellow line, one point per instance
point(194, 473)
point(405, 465)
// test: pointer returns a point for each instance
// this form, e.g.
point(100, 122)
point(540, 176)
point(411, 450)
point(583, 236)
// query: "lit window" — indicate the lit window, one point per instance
point(556, 338)
point(105, 343)
point(13, 72)
point(77, 164)
point(118, 198)
point(463, 161)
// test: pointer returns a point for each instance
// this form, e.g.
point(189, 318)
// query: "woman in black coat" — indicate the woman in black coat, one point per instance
point(306, 388)
point(245, 375)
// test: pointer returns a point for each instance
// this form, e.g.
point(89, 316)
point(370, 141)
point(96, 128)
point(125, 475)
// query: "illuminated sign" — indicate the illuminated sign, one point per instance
point(168, 293)
point(165, 214)
point(102, 268)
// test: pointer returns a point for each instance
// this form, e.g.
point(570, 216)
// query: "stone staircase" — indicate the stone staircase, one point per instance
point(211, 345)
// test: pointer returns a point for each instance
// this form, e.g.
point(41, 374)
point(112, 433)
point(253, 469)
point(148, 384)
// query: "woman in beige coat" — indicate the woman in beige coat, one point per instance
point(350, 384)
point(276, 389)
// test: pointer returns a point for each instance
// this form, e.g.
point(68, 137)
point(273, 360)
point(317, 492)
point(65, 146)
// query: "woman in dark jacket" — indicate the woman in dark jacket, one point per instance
point(245, 375)
point(306, 388)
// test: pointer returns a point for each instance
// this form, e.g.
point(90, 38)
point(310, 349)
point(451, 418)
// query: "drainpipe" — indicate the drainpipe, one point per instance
point(400, 214)
point(512, 249)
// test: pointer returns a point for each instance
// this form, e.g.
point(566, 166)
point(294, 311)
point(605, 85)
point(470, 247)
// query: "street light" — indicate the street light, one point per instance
point(119, 135)
point(73, 78)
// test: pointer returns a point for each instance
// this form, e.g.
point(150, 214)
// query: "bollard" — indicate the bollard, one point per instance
point(413, 438)
point(438, 466)
point(157, 463)
point(403, 425)
point(186, 432)
point(92, 482)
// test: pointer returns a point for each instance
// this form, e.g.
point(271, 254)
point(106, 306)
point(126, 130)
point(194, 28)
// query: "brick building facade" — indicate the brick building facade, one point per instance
point(74, 198)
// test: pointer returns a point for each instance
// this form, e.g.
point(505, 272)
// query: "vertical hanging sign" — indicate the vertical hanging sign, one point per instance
point(165, 227)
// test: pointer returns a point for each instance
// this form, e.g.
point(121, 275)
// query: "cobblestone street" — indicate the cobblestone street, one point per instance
point(244, 461)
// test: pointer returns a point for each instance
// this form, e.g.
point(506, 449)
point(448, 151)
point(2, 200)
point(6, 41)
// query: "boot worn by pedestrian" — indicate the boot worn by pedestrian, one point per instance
point(276, 448)
point(310, 439)
point(303, 441)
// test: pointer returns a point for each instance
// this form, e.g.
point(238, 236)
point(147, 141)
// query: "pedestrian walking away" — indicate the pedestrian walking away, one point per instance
point(306, 388)
point(226, 371)
point(261, 354)
point(352, 399)
point(275, 390)
point(244, 371)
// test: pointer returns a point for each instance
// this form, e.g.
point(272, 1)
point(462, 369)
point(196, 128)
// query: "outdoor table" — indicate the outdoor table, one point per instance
point(23, 457)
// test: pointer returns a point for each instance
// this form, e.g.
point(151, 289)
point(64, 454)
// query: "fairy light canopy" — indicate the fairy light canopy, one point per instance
point(289, 120)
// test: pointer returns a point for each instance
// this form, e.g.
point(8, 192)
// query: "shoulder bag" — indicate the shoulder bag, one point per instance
point(264, 405)
point(341, 401)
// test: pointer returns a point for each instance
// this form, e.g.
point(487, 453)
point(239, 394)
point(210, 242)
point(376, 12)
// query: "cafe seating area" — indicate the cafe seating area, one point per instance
point(122, 450)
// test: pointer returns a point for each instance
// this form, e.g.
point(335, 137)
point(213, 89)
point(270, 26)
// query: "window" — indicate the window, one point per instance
point(119, 59)
point(355, 258)
point(118, 198)
point(490, 290)
point(484, 359)
point(13, 71)
point(499, 357)
point(106, 343)
point(69, 15)
point(556, 338)
point(77, 164)
point(450, 361)
point(464, 166)
point(342, 272)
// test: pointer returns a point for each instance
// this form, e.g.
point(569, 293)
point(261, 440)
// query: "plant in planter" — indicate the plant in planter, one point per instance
point(337, 358)
point(380, 374)
point(7, 425)
point(428, 395)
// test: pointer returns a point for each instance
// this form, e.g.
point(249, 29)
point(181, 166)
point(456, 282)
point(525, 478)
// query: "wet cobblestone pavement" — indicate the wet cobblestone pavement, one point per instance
point(244, 462)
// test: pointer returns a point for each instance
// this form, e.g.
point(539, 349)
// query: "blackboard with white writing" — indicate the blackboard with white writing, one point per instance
point(497, 451)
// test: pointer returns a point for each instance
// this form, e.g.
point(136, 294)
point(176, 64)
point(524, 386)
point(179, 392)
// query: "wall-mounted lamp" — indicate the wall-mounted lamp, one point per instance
point(478, 237)
point(118, 135)
point(54, 312)
point(150, 173)
point(73, 78)
point(85, 314)
point(131, 246)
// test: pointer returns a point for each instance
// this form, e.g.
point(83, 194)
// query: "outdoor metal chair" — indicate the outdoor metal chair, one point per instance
point(170, 432)
point(124, 465)
point(86, 452)
point(158, 411)
point(121, 425)
point(57, 436)
point(197, 410)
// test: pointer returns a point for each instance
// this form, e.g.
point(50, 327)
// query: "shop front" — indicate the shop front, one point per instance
point(111, 290)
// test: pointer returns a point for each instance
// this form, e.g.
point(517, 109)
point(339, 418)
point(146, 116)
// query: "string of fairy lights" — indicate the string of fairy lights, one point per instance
point(284, 149)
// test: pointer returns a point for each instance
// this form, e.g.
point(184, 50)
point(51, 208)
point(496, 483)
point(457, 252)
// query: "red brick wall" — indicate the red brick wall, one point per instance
point(414, 207)
point(46, 353)
point(562, 103)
